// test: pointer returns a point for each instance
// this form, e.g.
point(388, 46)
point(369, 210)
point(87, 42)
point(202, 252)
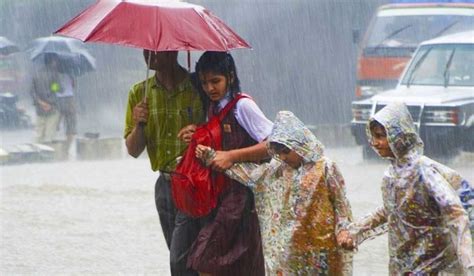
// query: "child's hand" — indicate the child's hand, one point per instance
point(206, 154)
point(345, 240)
point(201, 152)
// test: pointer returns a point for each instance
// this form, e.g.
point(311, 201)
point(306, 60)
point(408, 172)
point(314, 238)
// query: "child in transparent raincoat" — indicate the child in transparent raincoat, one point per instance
point(427, 225)
point(300, 200)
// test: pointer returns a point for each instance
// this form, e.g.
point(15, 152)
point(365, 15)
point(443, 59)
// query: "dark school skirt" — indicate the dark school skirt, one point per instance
point(230, 242)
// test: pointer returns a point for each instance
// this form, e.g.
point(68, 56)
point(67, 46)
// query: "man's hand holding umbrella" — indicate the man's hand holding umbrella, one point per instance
point(140, 112)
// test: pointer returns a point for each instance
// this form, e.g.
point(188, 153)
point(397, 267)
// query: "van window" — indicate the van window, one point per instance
point(450, 65)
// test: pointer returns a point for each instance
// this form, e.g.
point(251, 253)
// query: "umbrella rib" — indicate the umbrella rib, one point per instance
point(96, 27)
point(84, 14)
point(201, 15)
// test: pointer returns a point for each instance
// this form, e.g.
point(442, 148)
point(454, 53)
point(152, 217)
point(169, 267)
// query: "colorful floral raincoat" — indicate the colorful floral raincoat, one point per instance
point(300, 210)
point(428, 227)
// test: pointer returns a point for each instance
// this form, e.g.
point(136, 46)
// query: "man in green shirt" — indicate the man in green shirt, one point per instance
point(154, 123)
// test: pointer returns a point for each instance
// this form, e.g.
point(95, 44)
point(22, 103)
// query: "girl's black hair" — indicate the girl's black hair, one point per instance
point(220, 63)
point(206, 102)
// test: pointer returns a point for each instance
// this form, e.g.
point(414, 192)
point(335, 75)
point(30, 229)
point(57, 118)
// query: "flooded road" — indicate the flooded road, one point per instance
point(98, 217)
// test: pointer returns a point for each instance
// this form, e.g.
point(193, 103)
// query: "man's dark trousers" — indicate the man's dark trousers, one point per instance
point(179, 230)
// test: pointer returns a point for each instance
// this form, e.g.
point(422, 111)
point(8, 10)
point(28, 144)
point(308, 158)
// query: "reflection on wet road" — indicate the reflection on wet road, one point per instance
point(98, 217)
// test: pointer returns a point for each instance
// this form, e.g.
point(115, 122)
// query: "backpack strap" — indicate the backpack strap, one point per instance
point(231, 104)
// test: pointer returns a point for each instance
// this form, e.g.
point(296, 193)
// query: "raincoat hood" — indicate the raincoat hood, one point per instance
point(288, 130)
point(401, 132)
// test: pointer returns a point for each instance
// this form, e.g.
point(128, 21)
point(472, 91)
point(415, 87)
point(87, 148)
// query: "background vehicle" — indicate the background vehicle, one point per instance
point(12, 87)
point(12, 116)
point(438, 87)
point(394, 33)
point(9, 74)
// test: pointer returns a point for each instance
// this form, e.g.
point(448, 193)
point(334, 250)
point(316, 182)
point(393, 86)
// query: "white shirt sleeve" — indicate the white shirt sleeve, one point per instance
point(252, 119)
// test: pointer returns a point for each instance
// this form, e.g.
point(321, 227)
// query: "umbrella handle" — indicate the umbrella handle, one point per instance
point(147, 75)
point(189, 61)
point(142, 124)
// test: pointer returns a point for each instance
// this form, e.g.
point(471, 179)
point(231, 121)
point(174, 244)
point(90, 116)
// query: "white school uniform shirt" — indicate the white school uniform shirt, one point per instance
point(250, 117)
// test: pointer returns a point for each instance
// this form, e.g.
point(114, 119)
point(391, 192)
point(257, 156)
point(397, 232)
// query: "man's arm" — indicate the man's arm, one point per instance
point(136, 141)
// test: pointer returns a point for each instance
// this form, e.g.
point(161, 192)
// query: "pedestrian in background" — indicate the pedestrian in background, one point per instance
point(45, 86)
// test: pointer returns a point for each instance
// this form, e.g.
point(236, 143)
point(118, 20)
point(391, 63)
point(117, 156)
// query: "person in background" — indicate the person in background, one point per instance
point(67, 107)
point(153, 123)
point(43, 92)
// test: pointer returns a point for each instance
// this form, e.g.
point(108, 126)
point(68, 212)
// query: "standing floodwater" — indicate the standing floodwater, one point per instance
point(98, 217)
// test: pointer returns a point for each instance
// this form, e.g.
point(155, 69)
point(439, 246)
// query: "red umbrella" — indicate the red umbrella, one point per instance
point(153, 25)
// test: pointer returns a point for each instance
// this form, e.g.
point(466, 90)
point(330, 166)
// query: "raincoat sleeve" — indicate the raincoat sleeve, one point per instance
point(253, 175)
point(462, 187)
point(337, 189)
point(454, 216)
point(249, 174)
point(466, 194)
point(369, 226)
point(242, 173)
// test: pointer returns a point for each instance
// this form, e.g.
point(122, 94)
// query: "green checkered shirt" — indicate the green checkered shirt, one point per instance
point(168, 112)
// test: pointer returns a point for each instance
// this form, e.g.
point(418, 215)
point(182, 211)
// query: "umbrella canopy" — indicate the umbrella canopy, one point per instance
point(7, 47)
point(153, 25)
point(74, 59)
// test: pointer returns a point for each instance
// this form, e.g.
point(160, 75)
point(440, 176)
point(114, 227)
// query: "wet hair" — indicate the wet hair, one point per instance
point(279, 148)
point(206, 102)
point(220, 63)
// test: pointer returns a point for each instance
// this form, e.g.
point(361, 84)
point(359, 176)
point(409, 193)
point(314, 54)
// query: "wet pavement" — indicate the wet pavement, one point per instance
point(98, 217)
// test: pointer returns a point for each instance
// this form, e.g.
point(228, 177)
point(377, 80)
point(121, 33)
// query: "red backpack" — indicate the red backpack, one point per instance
point(195, 187)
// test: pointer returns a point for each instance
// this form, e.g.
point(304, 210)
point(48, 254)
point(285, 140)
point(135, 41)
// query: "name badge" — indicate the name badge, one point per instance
point(227, 128)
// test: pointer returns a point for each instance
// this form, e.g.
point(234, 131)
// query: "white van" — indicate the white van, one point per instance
point(438, 88)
